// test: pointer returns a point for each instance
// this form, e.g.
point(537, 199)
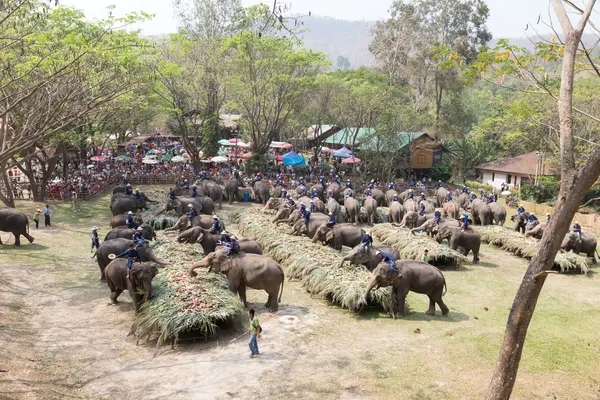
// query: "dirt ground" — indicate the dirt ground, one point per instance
point(60, 338)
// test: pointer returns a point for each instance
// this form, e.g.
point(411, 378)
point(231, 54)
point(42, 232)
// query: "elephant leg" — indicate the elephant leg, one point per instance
point(114, 295)
point(17, 239)
point(273, 306)
point(431, 309)
point(29, 237)
point(440, 303)
point(401, 294)
point(242, 293)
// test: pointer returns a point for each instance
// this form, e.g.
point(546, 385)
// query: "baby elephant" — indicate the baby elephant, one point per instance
point(415, 276)
point(139, 283)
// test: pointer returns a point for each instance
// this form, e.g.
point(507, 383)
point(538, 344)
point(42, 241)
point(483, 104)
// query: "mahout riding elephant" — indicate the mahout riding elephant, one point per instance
point(232, 190)
point(498, 213)
point(451, 210)
point(520, 221)
point(339, 235)
point(118, 246)
point(468, 240)
point(319, 205)
point(389, 196)
point(481, 212)
point(121, 189)
point(371, 209)
point(334, 208)
point(336, 189)
point(379, 197)
point(180, 205)
point(125, 204)
point(315, 221)
point(463, 201)
point(410, 205)
point(320, 189)
point(303, 200)
point(210, 241)
point(139, 283)
point(141, 204)
point(352, 207)
point(213, 191)
point(247, 270)
point(360, 255)
point(283, 215)
point(119, 220)
point(586, 244)
point(429, 208)
point(441, 195)
point(403, 196)
point(261, 192)
point(203, 221)
point(413, 219)
point(429, 225)
point(396, 212)
point(413, 276)
point(538, 231)
point(15, 222)
point(127, 233)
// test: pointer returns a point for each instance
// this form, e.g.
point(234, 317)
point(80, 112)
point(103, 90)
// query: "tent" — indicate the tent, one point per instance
point(351, 160)
point(293, 158)
point(178, 159)
point(219, 159)
point(342, 153)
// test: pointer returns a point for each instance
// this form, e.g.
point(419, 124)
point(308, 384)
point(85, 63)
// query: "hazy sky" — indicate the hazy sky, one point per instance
point(508, 18)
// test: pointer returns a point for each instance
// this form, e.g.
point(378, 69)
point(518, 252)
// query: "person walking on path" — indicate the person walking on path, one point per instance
point(36, 218)
point(254, 331)
point(47, 216)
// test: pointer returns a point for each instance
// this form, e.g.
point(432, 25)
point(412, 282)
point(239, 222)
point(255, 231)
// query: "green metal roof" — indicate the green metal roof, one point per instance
point(367, 140)
point(346, 136)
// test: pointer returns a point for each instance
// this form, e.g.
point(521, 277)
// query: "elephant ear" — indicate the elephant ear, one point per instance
point(226, 264)
point(329, 236)
point(134, 277)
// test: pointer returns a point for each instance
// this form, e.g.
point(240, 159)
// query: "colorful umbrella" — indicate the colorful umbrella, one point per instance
point(178, 159)
point(219, 159)
point(151, 161)
point(98, 158)
point(123, 159)
point(351, 160)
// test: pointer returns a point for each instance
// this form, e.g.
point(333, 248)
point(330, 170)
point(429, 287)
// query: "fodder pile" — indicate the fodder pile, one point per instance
point(182, 303)
point(315, 265)
point(411, 246)
point(527, 247)
point(161, 221)
point(381, 216)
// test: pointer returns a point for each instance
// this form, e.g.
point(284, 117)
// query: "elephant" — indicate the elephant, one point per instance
point(203, 221)
point(410, 205)
point(360, 255)
point(140, 279)
point(121, 189)
point(127, 233)
point(213, 191)
point(261, 192)
point(210, 241)
point(538, 231)
point(520, 221)
point(336, 189)
point(247, 270)
point(320, 189)
point(586, 244)
point(379, 197)
point(414, 276)
point(463, 200)
point(403, 196)
point(481, 212)
point(429, 225)
point(429, 208)
point(119, 220)
point(15, 222)
point(498, 213)
point(303, 200)
point(389, 196)
point(396, 212)
point(333, 207)
point(232, 190)
point(468, 240)
point(315, 221)
point(413, 219)
point(371, 209)
point(180, 205)
point(118, 246)
point(352, 207)
point(340, 235)
point(274, 203)
point(125, 204)
point(283, 215)
point(441, 195)
point(191, 235)
point(451, 209)
point(140, 204)
point(319, 205)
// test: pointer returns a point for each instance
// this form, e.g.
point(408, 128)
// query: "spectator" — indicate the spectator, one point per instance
point(47, 216)
point(36, 218)
point(254, 331)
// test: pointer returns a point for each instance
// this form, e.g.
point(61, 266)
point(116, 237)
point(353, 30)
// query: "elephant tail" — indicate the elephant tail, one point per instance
point(596, 255)
point(281, 291)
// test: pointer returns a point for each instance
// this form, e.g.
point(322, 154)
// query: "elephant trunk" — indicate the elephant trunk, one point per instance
point(148, 290)
point(153, 258)
point(204, 263)
point(344, 259)
point(316, 237)
point(161, 210)
point(365, 298)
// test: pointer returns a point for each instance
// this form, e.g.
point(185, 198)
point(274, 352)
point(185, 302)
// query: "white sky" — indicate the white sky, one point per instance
point(508, 18)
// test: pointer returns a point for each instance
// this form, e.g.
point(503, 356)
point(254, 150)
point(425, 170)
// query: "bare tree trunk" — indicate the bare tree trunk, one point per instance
point(9, 199)
point(574, 185)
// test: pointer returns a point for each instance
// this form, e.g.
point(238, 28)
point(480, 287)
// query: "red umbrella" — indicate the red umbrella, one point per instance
point(279, 158)
point(351, 160)
point(247, 155)
point(98, 158)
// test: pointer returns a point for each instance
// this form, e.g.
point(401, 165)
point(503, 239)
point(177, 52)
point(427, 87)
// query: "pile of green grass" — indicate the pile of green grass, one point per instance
point(315, 265)
point(161, 221)
point(183, 303)
point(411, 246)
point(527, 247)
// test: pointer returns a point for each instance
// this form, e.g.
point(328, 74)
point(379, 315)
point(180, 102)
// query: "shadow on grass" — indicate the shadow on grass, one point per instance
point(413, 315)
point(23, 247)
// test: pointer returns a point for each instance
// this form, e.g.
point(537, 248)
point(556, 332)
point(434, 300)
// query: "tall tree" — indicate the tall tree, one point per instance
point(209, 19)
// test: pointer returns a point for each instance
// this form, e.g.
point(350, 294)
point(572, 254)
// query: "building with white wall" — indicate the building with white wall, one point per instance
point(514, 171)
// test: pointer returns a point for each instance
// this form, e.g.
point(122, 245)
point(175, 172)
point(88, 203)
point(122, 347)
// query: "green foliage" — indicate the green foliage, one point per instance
point(478, 185)
point(463, 155)
point(441, 172)
point(256, 163)
point(545, 192)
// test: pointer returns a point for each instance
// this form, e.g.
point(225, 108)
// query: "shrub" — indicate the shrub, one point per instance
point(478, 185)
point(545, 192)
point(441, 172)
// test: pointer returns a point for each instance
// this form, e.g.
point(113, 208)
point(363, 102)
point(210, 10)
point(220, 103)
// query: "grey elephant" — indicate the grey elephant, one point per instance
point(413, 276)
point(468, 240)
point(319, 205)
point(360, 255)
point(396, 213)
point(371, 209)
point(481, 212)
point(585, 244)
point(336, 189)
point(303, 200)
point(213, 191)
point(413, 219)
point(538, 231)
point(15, 222)
point(180, 205)
point(441, 195)
point(139, 283)
point(428, 226)
point(403, 196)
point(247, 270)
point(127, 233)
point(203, 221)
point(520, 221)
point(261, 192)
point(319, 189)
point(124, 204)
point(274, 203)
point(410, 205)
point(498, 213)
point(429, 208)
point(333, 207)
point(451, 210)
point(119, 220)
point(118, 246)
point(282, 215)
point(463, 200)
point(379, 197)
point(389, 196)
point(232, 190)
point(352, 207)
point(121, 189)
point(339, 235)
point(315, 221)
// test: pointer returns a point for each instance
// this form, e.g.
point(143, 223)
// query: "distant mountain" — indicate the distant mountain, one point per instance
point(337, 37)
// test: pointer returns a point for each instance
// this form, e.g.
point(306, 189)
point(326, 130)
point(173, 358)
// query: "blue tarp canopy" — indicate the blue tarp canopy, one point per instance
point(293, 158)
point(342, 153)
